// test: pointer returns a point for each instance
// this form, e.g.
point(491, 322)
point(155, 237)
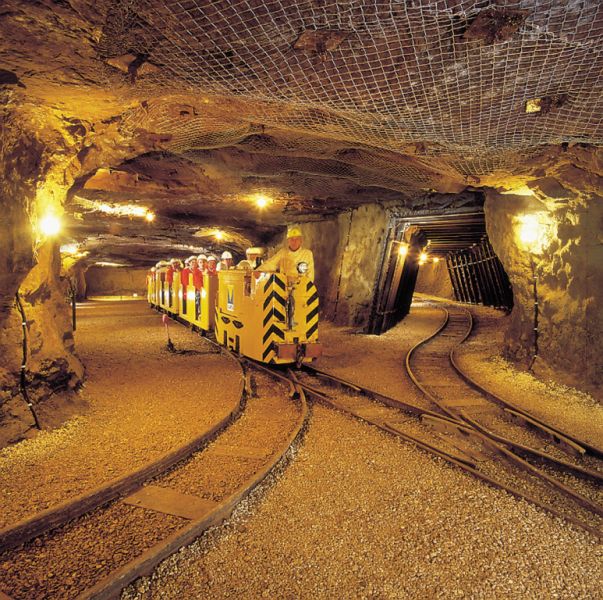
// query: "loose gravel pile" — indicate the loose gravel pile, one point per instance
point(361, 515)
point(560, 405)
point(144, 402)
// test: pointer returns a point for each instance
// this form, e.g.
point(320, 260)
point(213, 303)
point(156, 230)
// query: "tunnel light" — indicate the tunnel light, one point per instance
point(528, 229)
point(436, 259)
point(262, 201)
point(403, 250)
point(50, 225)
point(219, 235)
point(534, 231)
point(150, 216)
point(423, 257)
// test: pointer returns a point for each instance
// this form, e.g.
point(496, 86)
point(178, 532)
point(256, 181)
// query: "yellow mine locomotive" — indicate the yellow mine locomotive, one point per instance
point(263, 316)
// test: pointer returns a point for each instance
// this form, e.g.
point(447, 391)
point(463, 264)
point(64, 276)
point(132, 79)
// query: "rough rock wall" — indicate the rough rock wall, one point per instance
point(359, 261)
point(568, 264)
point(113, 281)
point(347, 251)
point(51, 363)
point(433, 279)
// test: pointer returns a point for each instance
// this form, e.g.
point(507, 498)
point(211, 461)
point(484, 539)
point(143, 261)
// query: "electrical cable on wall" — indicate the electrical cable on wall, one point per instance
point(23, 380)
point(535, 284)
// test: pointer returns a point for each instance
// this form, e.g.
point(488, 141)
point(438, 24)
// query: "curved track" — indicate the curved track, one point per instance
point(560, 460)
point(138, 531)
point(47, 520)
point(447, 438)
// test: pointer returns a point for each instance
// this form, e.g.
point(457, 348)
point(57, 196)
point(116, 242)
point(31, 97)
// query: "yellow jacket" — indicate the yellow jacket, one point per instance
point(285, 261)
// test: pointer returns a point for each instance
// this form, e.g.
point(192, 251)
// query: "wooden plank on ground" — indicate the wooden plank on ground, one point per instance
point(170, 502)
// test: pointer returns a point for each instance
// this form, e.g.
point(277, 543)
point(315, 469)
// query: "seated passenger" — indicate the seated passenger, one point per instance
point(185, 279)
point(202, 263)
point(245, 264)
point(197, 276)
point(293, 260)
point(226, 262)
point(254, 258)
point(212, 265)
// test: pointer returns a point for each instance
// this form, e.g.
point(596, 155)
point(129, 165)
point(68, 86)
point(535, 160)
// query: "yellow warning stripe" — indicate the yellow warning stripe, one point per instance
point(275, 305)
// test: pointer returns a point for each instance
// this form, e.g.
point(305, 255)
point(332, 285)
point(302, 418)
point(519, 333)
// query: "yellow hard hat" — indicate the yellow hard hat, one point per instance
point(294, 232)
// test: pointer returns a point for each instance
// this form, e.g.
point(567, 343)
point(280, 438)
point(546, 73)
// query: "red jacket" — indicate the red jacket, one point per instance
point(184, 276)
point(170, 275)
point(197, 278)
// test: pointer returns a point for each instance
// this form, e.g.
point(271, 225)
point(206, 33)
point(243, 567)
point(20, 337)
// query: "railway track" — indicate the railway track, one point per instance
point(448, 438)
point(140, 529)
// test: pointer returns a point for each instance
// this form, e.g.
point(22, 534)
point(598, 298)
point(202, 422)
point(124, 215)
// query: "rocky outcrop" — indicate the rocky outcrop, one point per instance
point(51, 365)
point(566, 258)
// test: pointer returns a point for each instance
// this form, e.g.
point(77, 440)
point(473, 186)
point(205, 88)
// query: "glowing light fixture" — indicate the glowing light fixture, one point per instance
point(403, 250)
point(50, 225)
point(423, 256)
point(436, 259)
point(218, 235)
point(262, 201)
point(150, 216)
point(528, 230)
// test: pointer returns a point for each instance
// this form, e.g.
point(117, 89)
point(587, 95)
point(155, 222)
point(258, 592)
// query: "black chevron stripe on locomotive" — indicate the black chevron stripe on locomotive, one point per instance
point(313, 308)
point(274, 307)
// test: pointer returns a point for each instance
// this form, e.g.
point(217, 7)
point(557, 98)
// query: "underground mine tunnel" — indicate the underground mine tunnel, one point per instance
point(301, 300)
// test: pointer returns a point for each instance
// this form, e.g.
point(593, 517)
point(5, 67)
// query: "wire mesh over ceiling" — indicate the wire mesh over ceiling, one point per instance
point(478, 84)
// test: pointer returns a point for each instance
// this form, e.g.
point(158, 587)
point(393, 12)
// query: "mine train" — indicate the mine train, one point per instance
point(263, 316)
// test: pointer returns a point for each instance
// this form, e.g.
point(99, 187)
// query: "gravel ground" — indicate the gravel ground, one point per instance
point(361, 515)
point(377, 361)
point(558, 404)
point(62, 564)
point(143, 403)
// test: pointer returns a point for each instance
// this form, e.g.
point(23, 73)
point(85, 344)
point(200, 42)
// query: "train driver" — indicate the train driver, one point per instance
point(293, 260)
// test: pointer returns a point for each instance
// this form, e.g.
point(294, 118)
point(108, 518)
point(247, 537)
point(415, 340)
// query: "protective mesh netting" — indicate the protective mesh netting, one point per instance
point(452, 77)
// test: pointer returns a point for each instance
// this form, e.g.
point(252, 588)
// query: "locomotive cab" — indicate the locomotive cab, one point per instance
point(268, 318)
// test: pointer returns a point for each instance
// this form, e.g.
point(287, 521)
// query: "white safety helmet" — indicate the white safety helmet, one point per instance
point(226, 254)
point(211, 258)
point(193, 257)
point(201, 257)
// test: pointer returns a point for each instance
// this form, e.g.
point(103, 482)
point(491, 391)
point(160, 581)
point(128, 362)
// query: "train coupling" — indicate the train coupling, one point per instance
point(295, 351)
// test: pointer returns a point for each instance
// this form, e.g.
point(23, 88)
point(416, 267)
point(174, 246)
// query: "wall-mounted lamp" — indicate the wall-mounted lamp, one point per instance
point(50, 225)
point(533, 233)
point(403, 249)
point(149, 216)
point(218, 235)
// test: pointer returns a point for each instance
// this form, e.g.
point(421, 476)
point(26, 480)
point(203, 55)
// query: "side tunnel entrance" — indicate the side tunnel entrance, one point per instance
point(459, 243)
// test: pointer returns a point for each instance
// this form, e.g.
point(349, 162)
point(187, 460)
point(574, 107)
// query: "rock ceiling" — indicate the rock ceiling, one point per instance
point(191, 109)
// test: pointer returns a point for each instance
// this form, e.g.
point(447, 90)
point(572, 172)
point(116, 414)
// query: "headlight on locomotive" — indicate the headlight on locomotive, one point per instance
point(302, 267)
